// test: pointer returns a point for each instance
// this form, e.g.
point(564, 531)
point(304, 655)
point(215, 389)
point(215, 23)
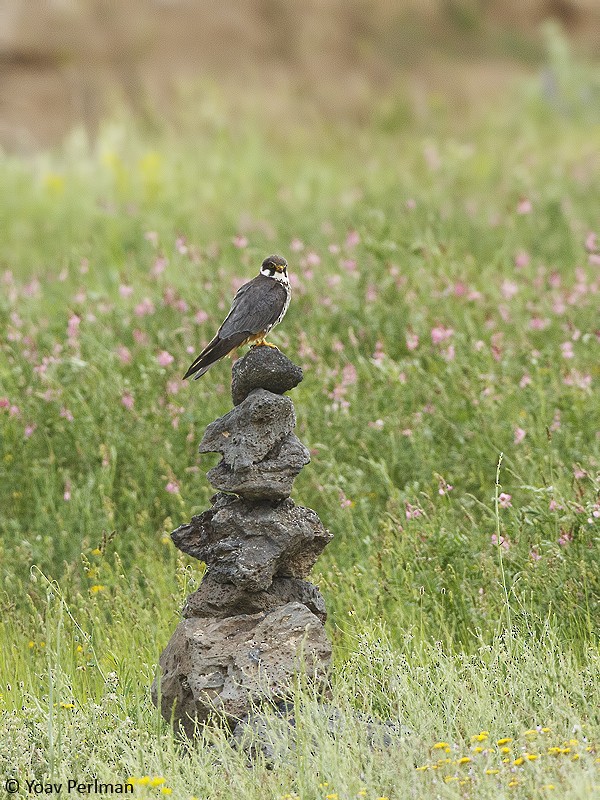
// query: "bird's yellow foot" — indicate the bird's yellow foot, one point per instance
point(264, 343)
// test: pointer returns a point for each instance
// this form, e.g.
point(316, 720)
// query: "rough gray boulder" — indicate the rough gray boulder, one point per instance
point(247, 434)
point(225, 666)
point(263, 368)
point(272, 477)
point(215, 598)
point(248, 543)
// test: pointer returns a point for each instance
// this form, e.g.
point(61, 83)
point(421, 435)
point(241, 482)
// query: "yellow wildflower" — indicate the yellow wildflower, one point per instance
point(67, 705)
point(97, 587)
point(423, 768)
point(440, 745)
point(513, 783)
point(464, 760)
point(450, 778)
point(518, 761)
point(157, 781)
point(478, 749)
point(96, 551)
point(480, 737)
point(505, 749)
point(333, 796)
point(492, 771)
point(531, 732)
point(54, 182)
point(505, 740)
point(165, 790)
point(531, 756)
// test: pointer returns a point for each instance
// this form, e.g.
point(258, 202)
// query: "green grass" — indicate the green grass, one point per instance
point(449, 340)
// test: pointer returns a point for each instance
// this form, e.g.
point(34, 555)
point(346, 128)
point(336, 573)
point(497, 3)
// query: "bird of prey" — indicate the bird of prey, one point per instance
point(257, 307)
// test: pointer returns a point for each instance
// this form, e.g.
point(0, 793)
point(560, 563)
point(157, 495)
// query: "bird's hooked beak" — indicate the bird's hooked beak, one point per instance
point(279, 268)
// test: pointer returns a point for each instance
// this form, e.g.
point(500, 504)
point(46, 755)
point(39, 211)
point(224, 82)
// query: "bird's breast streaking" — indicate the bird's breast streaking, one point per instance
point(257, 307)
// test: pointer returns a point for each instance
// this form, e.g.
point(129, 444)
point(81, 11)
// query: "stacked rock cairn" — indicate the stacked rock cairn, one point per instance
point(254, 622)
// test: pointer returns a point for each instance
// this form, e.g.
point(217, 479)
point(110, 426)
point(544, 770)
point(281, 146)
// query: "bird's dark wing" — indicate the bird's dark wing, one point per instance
point(256, 306)
point(214, 351)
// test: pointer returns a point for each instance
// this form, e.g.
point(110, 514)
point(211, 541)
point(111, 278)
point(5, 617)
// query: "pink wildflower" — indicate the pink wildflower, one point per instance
point(352, 239)
point(240, 241)
point(378, 355)
point(164, 358)
point(591, 242)
point(125, 291)
point(440, 333)
point(567, 350)
point(349, 375)
point(509, 289)
point(67, 491)
point(504, 500)
point(4, 402)
point(345, 502)
point(127, 400)
point(159, 266)
point(524, 206)
point(152, 237)
point(525, 381)
point(144, 308)
point(534, 555)
point(296, 245)
point(412, 512)
point(376, 424)
point(29, 429)
point(124, 354)
point(565, 538)
point(538, 324)
point(449, 353)
point(172, 487)
point(200, 317)
point(504, 543)
point(66, 414)
point(334, 249)
point(522, 259)
point(520, 434)
point(412, 341)
point(73, 326)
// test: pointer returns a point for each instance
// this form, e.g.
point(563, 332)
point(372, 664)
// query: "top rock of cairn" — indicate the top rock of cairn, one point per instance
point(263, 368)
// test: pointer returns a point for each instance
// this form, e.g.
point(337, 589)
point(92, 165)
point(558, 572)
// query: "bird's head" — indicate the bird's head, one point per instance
point(274, 267)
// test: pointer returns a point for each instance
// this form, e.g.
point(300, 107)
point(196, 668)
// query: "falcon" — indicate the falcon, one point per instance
point(257, 307)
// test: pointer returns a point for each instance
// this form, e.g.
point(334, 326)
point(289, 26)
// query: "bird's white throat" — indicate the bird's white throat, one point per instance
point(278, 276)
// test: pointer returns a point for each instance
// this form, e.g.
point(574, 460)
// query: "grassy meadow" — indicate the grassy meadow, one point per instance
point(446, 279)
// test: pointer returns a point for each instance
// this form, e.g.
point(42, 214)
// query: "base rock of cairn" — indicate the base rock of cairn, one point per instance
point(255, 621)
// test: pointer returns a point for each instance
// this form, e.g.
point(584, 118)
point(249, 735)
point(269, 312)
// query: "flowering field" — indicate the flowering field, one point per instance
point(446, 282)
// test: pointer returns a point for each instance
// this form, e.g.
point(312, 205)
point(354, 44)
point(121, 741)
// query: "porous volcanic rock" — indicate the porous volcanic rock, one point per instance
point(272, 477)
point(248, 543)
point(215, 598)
point(263, 368)
point(247, 434)
point(226, 666)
